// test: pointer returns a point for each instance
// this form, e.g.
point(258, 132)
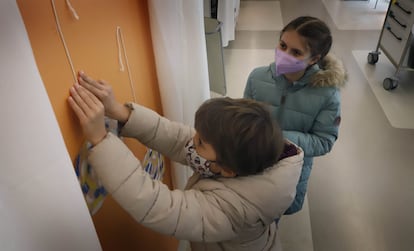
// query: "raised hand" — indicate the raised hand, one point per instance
point(90, 112)
point(103, 91)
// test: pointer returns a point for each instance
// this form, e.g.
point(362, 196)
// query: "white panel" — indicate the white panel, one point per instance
point(41, 204)
point(215, 56)
point(181, 62)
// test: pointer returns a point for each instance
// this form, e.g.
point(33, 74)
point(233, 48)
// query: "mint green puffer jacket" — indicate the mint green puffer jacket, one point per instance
point(308, 110)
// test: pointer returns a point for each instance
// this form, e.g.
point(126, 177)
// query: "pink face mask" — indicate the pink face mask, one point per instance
point(286, 63)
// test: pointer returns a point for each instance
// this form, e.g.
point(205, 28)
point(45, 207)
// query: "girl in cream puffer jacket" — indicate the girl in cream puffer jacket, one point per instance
point(222, 212)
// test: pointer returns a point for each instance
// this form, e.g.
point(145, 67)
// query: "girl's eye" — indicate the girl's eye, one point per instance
point(282, 46)
point(297, 53)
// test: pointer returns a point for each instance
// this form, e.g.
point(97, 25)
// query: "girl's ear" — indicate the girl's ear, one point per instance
point(227, 173)
point(314, 59)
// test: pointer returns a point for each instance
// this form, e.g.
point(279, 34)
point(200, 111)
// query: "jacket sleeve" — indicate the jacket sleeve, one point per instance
point(258, 77)
point(193, 215)
point(157, 132)
point(248, 88)
point(324, 132)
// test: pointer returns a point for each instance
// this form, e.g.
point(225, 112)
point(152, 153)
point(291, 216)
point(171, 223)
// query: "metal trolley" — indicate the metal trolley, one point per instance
point(395, 39)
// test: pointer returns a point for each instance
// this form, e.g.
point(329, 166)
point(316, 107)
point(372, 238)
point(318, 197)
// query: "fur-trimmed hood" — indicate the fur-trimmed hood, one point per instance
point(332, 73)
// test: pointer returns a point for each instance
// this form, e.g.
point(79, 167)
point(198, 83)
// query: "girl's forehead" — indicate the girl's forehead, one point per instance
point(293, 40)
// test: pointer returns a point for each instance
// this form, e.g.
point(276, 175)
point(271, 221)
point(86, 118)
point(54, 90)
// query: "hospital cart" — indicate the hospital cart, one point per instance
point(396, 40)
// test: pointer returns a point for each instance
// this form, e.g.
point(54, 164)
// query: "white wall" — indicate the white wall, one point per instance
point(41, 205)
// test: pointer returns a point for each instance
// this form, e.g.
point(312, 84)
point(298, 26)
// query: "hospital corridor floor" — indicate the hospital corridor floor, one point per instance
point(361, 194)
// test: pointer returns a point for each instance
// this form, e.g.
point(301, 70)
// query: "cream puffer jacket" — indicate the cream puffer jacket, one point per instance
point(213, 214)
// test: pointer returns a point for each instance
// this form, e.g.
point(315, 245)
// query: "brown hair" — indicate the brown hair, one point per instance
point(244, 136)
point(315, 31)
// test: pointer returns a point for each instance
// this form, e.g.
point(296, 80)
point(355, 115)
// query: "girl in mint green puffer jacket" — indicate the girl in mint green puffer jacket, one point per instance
point(302, 89)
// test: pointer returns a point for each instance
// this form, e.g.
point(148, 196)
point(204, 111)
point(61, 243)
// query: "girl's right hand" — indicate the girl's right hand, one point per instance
point(90, 111)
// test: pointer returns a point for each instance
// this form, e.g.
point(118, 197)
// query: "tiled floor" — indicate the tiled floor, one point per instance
point(259, 15)
point(397, 104)
point(361, 195)
point(357, 15)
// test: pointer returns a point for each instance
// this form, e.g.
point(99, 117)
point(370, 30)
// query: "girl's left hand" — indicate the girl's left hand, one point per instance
point(90, 112)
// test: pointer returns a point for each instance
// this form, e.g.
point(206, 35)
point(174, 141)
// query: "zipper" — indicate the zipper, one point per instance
point(282, 104)
point(283, 99)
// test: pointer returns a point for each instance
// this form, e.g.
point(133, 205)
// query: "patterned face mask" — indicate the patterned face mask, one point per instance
point(196, 162)
point(286, 63)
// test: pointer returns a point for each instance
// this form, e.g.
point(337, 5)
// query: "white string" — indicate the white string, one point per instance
point(154, 161)
point(63, 41)
point(120, 41)
point(75, 15)
point(118, 38)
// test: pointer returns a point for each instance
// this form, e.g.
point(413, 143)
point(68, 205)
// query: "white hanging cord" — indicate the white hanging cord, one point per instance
point(63, 41)
point(153, 161)
point(118, 38)
point(120, 41)
point(75, 15)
